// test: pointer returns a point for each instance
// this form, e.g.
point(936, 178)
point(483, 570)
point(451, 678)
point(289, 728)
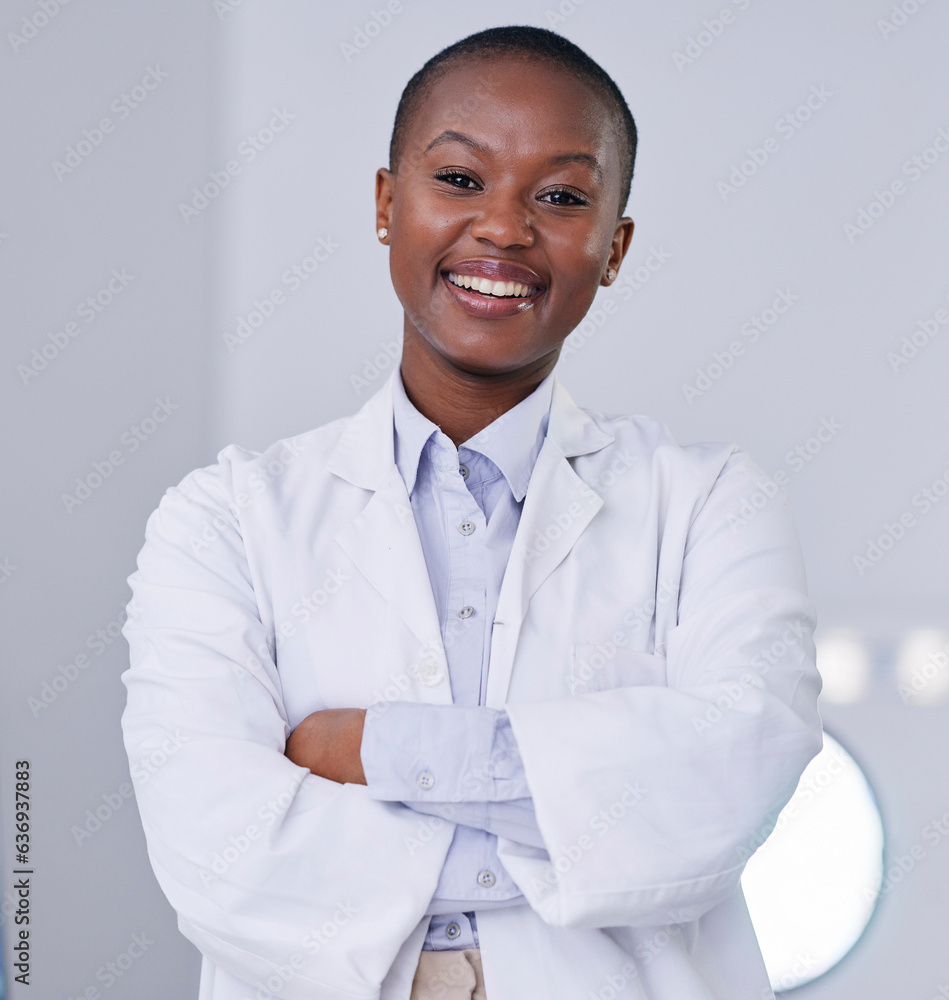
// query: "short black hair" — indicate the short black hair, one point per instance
point(526, 42)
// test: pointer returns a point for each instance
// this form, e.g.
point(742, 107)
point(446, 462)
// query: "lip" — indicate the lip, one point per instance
point(499, 270)
point(488, 306)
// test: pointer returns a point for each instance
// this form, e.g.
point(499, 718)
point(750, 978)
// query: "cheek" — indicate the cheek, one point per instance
point(421, 219)
point(581, 258)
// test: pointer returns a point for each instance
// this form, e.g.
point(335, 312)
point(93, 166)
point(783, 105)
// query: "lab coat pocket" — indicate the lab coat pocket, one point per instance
point(602, 666)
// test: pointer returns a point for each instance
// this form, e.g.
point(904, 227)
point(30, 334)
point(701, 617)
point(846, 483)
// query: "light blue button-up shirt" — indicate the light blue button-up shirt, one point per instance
point(460, 761)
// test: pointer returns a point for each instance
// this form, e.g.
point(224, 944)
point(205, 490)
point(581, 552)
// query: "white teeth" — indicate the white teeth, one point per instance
point(486, 286)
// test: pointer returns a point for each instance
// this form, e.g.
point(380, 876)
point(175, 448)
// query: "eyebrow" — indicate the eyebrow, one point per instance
point(449, 135)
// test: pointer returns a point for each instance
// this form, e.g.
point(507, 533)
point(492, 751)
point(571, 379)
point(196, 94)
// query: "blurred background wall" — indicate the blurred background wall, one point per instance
point(797, 153)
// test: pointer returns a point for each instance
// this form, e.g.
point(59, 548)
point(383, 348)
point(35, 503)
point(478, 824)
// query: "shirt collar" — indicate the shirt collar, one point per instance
point(512, 441)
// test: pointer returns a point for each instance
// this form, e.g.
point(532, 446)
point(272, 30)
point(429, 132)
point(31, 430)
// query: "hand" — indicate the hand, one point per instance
point(327, 742)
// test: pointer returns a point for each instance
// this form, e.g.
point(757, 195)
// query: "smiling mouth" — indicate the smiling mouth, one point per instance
point(491, 288)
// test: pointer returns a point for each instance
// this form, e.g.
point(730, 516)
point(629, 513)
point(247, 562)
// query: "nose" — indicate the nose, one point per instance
point(503, 220)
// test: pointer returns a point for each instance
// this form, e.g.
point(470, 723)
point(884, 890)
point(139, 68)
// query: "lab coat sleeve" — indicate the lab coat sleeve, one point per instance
point(650, 799)
point(273, 871)
point(474, 774)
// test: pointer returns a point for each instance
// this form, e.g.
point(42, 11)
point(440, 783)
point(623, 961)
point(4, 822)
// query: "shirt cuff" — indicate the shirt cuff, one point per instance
point(515, 820)
point(418, 752)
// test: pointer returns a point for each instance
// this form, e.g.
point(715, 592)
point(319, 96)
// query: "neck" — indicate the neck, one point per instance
point(462, 403)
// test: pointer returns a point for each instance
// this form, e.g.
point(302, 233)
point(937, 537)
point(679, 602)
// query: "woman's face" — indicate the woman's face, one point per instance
point(510, 174)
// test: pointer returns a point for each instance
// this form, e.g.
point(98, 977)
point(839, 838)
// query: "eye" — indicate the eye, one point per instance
point(563, 197)
point(457, 178)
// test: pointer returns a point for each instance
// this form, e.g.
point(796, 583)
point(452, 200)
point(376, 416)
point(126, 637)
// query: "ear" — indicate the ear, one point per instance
point(622, 236)
point(385, 183)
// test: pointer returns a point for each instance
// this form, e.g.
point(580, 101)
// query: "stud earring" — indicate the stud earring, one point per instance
point(611, 273)
point(383, 232)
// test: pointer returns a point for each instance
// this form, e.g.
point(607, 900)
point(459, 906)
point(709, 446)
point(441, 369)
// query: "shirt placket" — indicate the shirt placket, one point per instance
point(463, 635)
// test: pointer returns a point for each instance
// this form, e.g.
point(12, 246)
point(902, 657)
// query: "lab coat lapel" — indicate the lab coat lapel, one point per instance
point(383, 541)
point(558, 507)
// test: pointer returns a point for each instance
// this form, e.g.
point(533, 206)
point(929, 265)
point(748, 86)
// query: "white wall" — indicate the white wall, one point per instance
point(826, 359)
point(62, 239)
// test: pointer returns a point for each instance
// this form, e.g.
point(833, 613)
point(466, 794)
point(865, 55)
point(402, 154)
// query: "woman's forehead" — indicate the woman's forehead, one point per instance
point(511, 95)
point(504, 84)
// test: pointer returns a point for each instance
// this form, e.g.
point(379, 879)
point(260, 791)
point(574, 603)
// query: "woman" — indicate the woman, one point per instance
point(475, 693)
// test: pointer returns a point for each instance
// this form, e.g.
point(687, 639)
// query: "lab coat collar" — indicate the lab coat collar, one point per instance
point(383, 542)
point(365, 454)
point(511, 442)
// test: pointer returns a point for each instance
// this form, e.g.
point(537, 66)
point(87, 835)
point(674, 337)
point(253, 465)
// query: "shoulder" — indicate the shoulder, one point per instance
point(236, 467)
point(211, 502)
point(650, 445)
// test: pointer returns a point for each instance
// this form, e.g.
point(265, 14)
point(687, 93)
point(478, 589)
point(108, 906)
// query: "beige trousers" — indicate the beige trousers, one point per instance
point(449, 975)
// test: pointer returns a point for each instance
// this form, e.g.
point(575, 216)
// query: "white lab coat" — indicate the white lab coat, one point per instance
point(652, 648)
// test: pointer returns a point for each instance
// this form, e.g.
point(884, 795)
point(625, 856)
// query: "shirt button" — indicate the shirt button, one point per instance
point(486, 878)
point(425, 781)
point(452, 931)
point(463, 469)
point(466, 612)
point(466, 527)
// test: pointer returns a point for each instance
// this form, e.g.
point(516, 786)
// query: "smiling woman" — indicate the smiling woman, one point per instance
point(468, 693)
point(495, 202)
